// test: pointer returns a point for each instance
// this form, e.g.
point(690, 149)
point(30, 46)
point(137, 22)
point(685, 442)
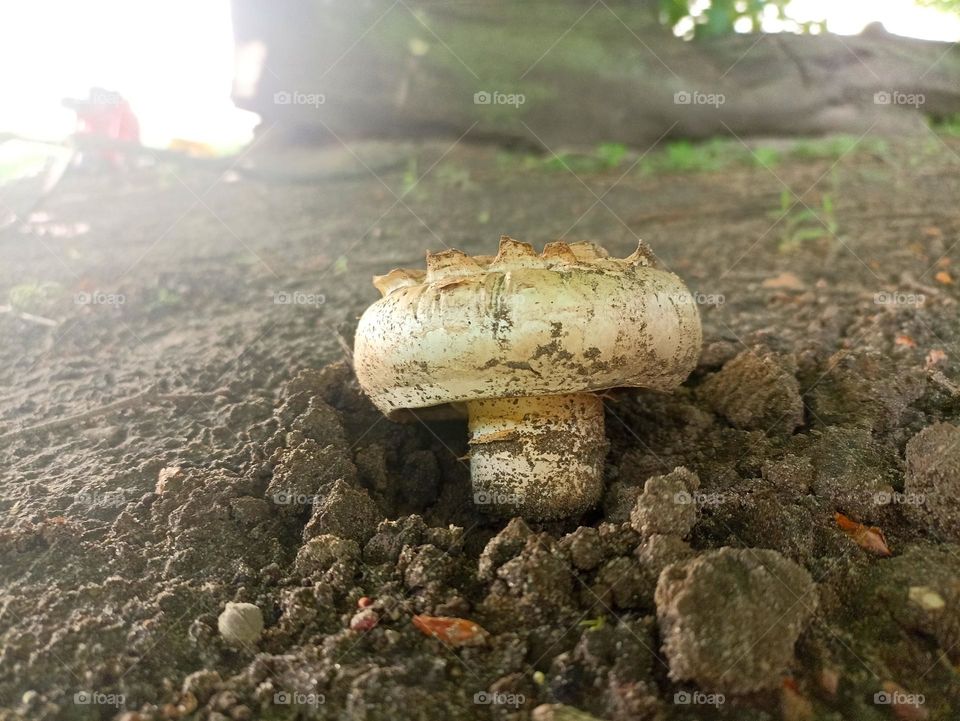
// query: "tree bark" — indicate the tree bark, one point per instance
point(570, 73)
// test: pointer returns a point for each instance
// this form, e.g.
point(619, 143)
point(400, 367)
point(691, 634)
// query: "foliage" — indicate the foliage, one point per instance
point(800, 223)
point(948, 126)
point(946, 5)
point(719, 17)
point(39, 297)
point(606, 156)
point(684, 156)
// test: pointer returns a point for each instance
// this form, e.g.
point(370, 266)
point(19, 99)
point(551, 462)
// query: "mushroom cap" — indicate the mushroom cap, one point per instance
point(569, 320)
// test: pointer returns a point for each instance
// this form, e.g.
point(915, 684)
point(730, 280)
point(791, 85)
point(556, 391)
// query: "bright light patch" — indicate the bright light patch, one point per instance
point(849, 17)
point(173, 61)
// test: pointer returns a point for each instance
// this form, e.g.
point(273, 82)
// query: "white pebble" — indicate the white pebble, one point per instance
point(240, 624)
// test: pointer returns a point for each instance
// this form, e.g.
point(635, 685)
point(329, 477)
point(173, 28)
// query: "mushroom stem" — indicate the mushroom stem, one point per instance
point(538, 457)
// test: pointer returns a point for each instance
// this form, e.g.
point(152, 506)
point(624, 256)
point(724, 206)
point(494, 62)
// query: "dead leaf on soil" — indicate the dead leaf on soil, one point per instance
point(869, 538)
point(943, 277)
point(784, 281)
point(794, 706)
point(829, 680)
point(452, 631)
point(935, 357)
point(905, 340)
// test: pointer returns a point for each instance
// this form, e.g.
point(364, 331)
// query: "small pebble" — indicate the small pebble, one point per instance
point(364, 620)
point(240, 623)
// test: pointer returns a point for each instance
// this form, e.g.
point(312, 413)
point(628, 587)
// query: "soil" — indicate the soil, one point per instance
point(190, 434)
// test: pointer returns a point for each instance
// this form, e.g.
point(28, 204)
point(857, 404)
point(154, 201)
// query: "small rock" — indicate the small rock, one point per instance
point(321, 552)
point(667, 504)
point(617, 539)
point(621, 582)
point(932, 484)
point(583, 545)
point(501, 548)
point(240, 624)
point(660, 550)
point(926, 598)
point(729, 618)
point(391, 536)
point(757, 391)
point(425, 565)
point(202, 684)
point(306, 471)
point(169, 479)
point(320, 423)
point(364, 620)
point(346, 512)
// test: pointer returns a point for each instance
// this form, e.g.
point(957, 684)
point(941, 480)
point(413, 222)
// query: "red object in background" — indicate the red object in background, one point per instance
point(105, 116)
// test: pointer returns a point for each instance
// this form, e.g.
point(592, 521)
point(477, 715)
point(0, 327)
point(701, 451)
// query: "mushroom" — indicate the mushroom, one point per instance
point(523, 343)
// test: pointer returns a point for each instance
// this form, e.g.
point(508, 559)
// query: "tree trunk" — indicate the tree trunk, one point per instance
point(570, 73)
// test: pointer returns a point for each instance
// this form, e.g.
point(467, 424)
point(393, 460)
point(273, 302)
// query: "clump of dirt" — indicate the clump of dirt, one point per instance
point(729, 618)
point(932, 484)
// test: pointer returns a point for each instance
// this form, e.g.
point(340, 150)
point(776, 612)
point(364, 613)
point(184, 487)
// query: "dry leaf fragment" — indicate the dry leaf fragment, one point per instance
point(943, 277)
point(869, 538)
point(935, 357)
point(905, 340)
point(794, 706)
point(786, 281)
point(829, 680)
point(451, 631)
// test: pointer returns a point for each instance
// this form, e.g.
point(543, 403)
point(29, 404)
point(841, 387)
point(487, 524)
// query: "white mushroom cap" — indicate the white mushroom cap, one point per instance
point(569, 320)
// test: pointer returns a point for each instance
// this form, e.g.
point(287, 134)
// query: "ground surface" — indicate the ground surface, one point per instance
point(828, 347)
